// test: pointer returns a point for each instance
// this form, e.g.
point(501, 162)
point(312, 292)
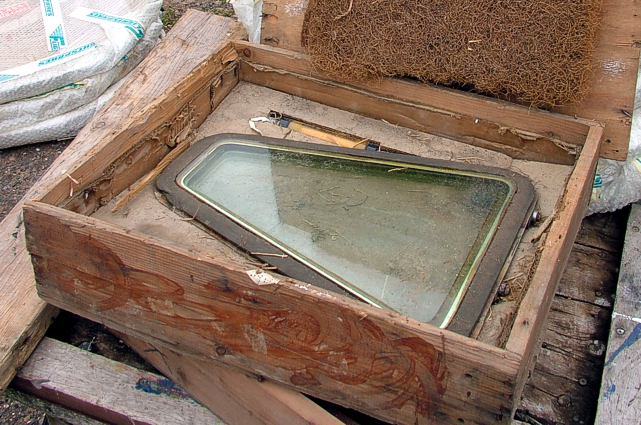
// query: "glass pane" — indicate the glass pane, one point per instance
point(401, 236)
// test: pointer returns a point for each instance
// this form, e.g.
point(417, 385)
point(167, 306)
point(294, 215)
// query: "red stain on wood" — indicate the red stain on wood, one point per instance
point(264, 327)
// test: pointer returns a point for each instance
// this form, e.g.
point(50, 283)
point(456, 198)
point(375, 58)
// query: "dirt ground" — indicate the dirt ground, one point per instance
point(20, 168)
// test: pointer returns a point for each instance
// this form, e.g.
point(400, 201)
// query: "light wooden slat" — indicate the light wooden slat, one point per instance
point(105, 389)
point(236, 397)
point(616, 62)
point(334, 348)
point(25, 317)
point(620, 397)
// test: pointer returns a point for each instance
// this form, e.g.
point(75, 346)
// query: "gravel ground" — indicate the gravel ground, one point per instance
point(20, 168)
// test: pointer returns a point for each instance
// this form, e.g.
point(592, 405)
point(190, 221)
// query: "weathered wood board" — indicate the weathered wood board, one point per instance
point(616, 61)
point(105, 389)
point(620, 396)
point(516, 131)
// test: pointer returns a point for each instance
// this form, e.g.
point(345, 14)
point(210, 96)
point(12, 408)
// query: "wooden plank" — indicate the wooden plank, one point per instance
point(512, 129)
point(236, 397)
point(564, 384)
point(532, 315)
point(25, 316)
point(589, 276)
point(334, 348)
point(106, 390)
point(619, 397)
point(615, 64)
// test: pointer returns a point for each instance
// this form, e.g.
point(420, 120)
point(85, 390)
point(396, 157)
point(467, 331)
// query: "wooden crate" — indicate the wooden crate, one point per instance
point(206, 308)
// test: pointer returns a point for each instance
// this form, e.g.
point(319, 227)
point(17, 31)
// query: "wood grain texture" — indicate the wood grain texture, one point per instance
point(532, 315)
point(105, 389)
point(25, 316)
point(331, 347)
point(589, 276)
point(615, 64)
point(620, 390)
point(511, 129)
point(236, 397)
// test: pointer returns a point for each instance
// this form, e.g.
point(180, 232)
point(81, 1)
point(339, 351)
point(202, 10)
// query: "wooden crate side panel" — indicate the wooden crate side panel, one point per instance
point(616, 61)
point(446, 124)
point(173, 75)
point(334, 348)
point(532, 123)
point(236, 397)
point(532, 315)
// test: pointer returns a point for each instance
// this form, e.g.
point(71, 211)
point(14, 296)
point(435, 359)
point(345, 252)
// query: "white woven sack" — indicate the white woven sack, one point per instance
point(27, 112)
point(61, 127)
point(79, 38)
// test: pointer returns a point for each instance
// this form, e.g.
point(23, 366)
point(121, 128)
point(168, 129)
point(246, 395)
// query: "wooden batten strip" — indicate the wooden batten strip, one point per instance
point(533, 312)
point(334, 348)
point(105, 389)
point(615, 61)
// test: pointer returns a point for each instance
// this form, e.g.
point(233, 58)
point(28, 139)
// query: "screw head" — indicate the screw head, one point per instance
point(583, 382)
point(635, 228)
point(620, 331)
point(220, 350)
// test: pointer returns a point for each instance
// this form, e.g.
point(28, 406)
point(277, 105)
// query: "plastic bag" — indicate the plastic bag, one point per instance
point(618, 183)
point(25, 112)
point(250, 13)
point(89, 37)
point(60, 127)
